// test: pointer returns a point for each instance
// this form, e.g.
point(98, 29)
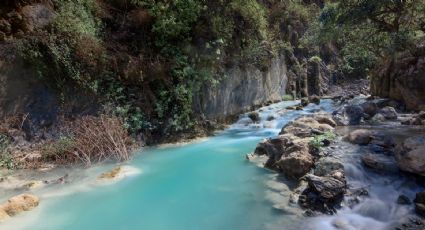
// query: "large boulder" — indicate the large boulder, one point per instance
point(323, 194)
point(326, 165)
point(18, 204)
point(354, 114)
point(389, 113)
point(254, 116)
point(417, 119)
point(306, 127)
point(410, 155)
point(360, 136)
point(296, 164)
point(379, 162)
point(370, 108)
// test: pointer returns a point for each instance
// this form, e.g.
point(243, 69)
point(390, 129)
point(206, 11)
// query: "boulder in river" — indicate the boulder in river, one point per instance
point(360, 136)
point(354, 114)
point(254, 116)
point(326, 165)
point(296, 164)
point(389, 113)
point(323, 194)
point(306, 127)
point(314, 99)
point(379, 162)
point(410, 155)
point(18, 204)
point(370, 108)
point(420, 203)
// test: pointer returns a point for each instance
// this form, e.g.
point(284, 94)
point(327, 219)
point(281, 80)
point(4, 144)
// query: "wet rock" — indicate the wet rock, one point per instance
point(410, 155)
point(370, 108)
point(326, 165)
point(306, 127)
point(411, 223)
point(420, 203)
point(378, 118)
point(291, 108)
point(323, 194)
point(296, 164)
point(403, 200)
point(328, 188)
point(389, 113)
point(254, 116)
point(379, 162)
point(354, 114)
point(114, 173)
point(325, 119)
point(304, 102)
point(360, 136)
point(270, 118)
point(417, 119)
point(274, 149)
point(3, 215)
point(20, 203)
point(314, 99)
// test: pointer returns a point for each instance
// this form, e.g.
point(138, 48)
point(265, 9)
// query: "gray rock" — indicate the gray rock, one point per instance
point(379, 162)
point(326, 165)
point(254, 116)
point(389, 113)
point(327, 187)
point(410, 155)
point(354, 114)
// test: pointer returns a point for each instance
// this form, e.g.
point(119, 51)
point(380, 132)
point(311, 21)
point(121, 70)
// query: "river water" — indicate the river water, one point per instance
point(207, 184)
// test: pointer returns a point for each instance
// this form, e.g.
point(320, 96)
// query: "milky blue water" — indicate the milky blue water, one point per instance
point(202, 185)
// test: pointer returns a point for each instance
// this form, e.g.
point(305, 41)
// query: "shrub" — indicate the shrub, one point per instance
point(320, 141)
point(77, 17)
point(287, 97)
point(91, 140)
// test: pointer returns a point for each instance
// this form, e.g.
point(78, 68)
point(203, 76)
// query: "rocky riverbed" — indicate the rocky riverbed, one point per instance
point(359, 167)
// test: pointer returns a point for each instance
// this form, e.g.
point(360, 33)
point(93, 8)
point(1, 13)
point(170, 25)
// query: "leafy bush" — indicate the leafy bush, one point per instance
point(77, 17)
point(319, 141)
point(287, 97)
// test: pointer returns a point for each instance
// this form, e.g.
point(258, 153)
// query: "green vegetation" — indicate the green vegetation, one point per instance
point(367, 31)
point(168, 50)
point(146, 60)
point(287, 97)
point(319, 141)
point(5, 157)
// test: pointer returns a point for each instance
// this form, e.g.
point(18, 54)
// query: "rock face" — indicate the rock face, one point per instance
point(18, 204)
point(402, 78)
point(410, 155)
point(242, 89)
